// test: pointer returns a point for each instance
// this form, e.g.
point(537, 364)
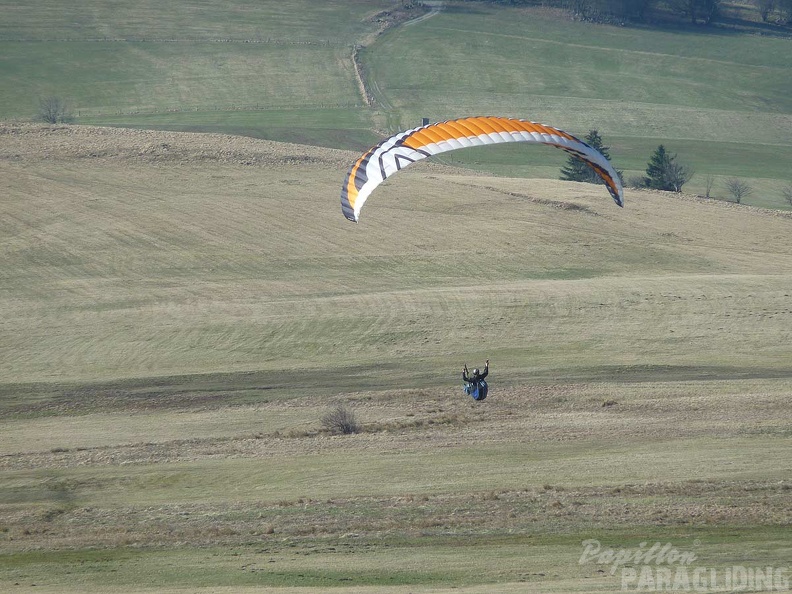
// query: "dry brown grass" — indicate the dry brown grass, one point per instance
point(562, 432)
point(132, 254)
point(640, 378)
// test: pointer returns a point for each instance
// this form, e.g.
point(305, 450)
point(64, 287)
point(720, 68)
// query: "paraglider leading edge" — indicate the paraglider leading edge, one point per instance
point(404, 148)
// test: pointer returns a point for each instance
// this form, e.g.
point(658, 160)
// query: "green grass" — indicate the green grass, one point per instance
point(391, 472)
point(527, 563)
point(294, 21)
point(251, 68)
point(149, 77)
point(718, 97)
point(720, 100)
point(345, 127)
point(516, 57)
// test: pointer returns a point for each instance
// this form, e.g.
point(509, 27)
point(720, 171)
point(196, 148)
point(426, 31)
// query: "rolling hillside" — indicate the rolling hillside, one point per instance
point(179, 311)
point(217, 253)
point(182, 302)
point(720, 97)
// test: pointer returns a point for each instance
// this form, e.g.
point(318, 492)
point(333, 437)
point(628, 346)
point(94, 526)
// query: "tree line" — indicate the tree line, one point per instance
point(664, 171)
point(705, 12)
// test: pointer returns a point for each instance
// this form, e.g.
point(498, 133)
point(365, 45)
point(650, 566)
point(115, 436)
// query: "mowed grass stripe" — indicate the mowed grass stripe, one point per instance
point(525, 67)
point(293, 21)
point(159, 77)
point(387, 470)
point(582, 323)
point(126, 268)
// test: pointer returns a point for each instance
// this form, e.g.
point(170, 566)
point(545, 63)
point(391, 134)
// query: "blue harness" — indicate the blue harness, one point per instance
point(477, 390)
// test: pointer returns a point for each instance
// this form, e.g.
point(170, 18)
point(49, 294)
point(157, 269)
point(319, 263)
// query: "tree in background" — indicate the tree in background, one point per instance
point(706, 11)
point(577, 170)
point(677, 175)
point(765, 7)
point(786, 192)
point(664, 172)
point(54, 110)
point(739, 189)
point(655, 170)
point(709, 181)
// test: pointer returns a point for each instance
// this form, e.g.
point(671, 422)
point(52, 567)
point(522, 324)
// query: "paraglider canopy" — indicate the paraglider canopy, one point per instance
point(403, 149)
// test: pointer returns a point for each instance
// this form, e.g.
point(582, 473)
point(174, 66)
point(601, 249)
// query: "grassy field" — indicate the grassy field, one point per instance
point(718, 97)
point(248, 67)
point(180, 311)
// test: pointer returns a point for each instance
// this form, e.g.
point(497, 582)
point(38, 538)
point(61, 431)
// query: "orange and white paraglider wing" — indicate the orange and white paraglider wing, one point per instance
point(403, 149)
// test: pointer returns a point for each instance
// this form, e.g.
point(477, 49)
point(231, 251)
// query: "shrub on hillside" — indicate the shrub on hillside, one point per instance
point(340, 420)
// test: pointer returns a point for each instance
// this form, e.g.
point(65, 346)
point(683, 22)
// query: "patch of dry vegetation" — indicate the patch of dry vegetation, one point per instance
point(557, 424)
point(546, 509)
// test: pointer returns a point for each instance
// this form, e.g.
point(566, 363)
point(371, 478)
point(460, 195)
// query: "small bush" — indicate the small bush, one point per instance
point(340, 420)
point(54, 110)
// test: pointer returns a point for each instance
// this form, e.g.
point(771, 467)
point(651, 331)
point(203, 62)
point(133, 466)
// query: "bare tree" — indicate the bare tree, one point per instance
point(705, 11)
point(785, 11)
point(635, 182)
point(709, 181)
point(54, 110)
point(786, 192)
point(677, 175)
point(340, 419)
point(765, 7)
point(739, 189)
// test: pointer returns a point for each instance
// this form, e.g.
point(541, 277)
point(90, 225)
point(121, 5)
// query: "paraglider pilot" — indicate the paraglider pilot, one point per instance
point(475, 386)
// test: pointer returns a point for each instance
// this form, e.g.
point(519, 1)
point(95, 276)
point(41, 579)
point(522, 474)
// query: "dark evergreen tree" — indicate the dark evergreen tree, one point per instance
point(656, 169)
point(663, 172)
point(577, 170)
